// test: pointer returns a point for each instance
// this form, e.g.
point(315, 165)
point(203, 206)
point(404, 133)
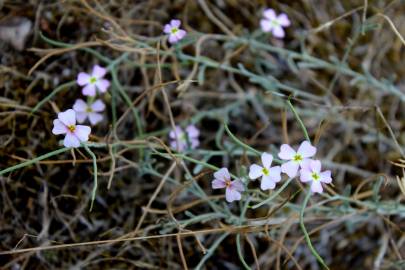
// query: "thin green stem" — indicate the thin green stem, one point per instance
point(242, 144)
point(93, 194)
point(238, 236)
point(304, 130)
point(306, 235)
point(211, 250)
point(52, 94)
point(34, 160)
point(275, 194)
point(239, 249)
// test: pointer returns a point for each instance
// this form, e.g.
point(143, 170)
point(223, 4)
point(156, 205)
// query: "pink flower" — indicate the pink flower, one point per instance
point(66, 124)
point(305, 151)
point(312, 173)
point(180, 140)
point(270, 175)
point(93, 81)
point(175, 33)
point(91, 111)
point(233, 188)
point(273, 23)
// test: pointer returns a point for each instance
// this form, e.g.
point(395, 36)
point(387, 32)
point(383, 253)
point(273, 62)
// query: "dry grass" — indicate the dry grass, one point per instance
point(341, 65)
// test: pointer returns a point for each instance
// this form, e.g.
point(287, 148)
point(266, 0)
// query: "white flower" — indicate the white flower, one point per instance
point(305, 151)
point(270, 175)
point(273, 23)
point(311, 172)
point(93, 81)
point(174, 32)
point(91, 111)
point(66, 124)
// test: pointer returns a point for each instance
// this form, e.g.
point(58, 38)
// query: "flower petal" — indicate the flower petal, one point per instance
point(326, 177)
point(222, 174)
point(237, 185)
point(58, 127)
point(217, 183)
point(267, 183)
point(283, 20)
point(82, 133)
point(278, 31)
point(275, 173)
point(290, 168)
point(67, 117)
point(181, 34)
point(89, 90)
point(316, 187)
point(306, 149)
point(177, 132)
point(83, 78)
point(194, 143)
point(95, 118)
point(98, 72)
point(71, 140)
point(267, 159)
point(269, 14)
point(98, 106)
point(192, 131)
point(315, 166)
point(173, 39)
point(286, 152)
point(81, 117)
point(80, 105)
point(305, 175)
point(255, 171)
point(167, 29)
point(232, 195)
point(102, 85)
point(266, 25)
point(175, 23)
point(180, 146)
point(304, 164)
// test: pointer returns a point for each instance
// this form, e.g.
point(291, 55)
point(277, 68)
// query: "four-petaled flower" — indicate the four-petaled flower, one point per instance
point(93, 81)
point(273, 23)
point(233, 188)
point(174, 32)
point(180, 139)
point(305, 151)
point(91, 111)
point(270, 175)
point(311, 172)
point(66, 124)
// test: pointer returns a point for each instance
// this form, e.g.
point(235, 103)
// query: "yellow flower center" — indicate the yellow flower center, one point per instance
point(72, 128)
point(297, 158)
point(315, 176)
point(265, 171)
point(228, 183)
point(89, 110)
point(174, 30)
point(93, 80)
point(275, 23)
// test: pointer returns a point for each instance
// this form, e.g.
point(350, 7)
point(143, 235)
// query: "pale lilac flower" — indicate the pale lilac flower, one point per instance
point(91, 111)
point(66, 124)
point(175, 33)
point(312, 173)
point(270, 175)
point(93, 81)
point(273, 23)
point(181, 139)
point(233, 188)
point(305, 151)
